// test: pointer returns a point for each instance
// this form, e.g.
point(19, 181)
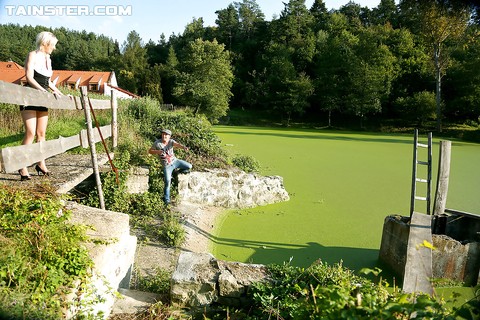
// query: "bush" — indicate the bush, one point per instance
point(246, 162)
point(334, 292)
point(420, 107)
point(320, 291)
point(171, 231)
point(192, 131)
point(41, 255)
point(159, 282)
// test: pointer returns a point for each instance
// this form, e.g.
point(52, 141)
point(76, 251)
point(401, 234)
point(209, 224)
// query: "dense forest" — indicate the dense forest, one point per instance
point(413, 62)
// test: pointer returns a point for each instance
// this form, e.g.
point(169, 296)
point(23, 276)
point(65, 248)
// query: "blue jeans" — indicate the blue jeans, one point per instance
point(167, 175)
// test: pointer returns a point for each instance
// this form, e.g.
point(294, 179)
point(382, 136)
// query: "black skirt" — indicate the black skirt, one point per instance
point(43, 81)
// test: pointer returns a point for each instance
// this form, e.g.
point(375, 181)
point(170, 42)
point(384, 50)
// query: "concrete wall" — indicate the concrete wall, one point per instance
point(393, 248)
point(113, 259)
point(452, 259)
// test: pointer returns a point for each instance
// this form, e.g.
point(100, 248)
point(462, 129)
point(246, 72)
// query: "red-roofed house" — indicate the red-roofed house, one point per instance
point(102, 82)
point(10, 65)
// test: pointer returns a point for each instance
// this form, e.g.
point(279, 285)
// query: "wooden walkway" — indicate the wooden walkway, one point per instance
point(68, 170)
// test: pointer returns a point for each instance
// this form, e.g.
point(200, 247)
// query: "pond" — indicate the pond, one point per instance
point(342, 185)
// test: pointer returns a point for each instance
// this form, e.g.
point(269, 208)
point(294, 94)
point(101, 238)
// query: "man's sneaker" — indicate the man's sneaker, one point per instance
point(185, 171)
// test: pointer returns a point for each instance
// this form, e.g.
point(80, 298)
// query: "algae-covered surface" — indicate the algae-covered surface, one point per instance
point(342, 185)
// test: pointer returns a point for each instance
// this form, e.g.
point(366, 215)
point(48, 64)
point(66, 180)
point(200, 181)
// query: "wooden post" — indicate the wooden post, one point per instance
point(91, 142)
point(414, 173)
point(114, 120)
point(443, 177)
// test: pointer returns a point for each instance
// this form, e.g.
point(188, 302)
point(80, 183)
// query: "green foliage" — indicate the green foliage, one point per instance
point(246, 163)
point(158, 282)
point(171, 232)
point(114, 192)
point(324, 291)
point(420, 107)
point(10, 124)
point(349, 61)
point(41, 254)
point(205, 79)
point(192, 131)
point(334, 292)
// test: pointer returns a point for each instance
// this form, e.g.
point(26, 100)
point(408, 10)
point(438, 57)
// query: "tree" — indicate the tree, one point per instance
point(169, 72)
point(371, 72)
point(441, 23)
point(250, 17)
point(355, 14)
point(228, 25)
point(462, 84)
point(353, 72)
point(386, 12)
point(205, 79)
point(153, 82)
point(294, 30)
point(331, 65)
point(134, 63)
point(247, 48)
point(419, 107)
point(280, 86)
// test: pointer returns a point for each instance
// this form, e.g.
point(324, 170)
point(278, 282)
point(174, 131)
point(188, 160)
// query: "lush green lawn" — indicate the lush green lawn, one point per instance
point(342, 185)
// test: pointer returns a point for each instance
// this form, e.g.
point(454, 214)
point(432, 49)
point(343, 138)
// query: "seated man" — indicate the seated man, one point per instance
point(163, 147)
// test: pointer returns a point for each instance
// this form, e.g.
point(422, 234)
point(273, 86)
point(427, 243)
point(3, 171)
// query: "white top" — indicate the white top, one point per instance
point(43, 64)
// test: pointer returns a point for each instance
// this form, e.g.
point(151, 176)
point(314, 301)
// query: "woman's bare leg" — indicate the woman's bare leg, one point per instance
point(29, 118)
point(42, 121)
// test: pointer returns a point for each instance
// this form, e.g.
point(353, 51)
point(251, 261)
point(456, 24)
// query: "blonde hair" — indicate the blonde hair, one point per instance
point(45, 38)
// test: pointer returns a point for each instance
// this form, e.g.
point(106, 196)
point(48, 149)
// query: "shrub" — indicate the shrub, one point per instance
point(193, 131)
point(420, 107)
point(171, 231)
point(158, 282)
point(334, 292)
point(41, 255)
point(246, 162)
point(320, 290)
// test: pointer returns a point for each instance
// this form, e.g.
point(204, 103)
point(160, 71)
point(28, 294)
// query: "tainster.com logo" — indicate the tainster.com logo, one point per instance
point(68, 10)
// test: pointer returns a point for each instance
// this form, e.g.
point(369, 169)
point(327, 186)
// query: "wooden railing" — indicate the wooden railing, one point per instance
point(14, 158)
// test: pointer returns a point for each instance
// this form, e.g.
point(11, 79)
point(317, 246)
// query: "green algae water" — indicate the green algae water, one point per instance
point(342, 185)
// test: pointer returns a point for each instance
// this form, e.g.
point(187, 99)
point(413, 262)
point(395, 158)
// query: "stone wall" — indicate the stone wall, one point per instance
point(452, 259)
point(137, 180)
point(113, 259)
point(199, 280)
point(231, 189)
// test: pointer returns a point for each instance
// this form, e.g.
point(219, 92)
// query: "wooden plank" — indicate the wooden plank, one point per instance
point(17, 94)
point(22, 95)
point(414, 172)
point(101, 104)
point(14, 158)
point(418, 265)
point(106, 133)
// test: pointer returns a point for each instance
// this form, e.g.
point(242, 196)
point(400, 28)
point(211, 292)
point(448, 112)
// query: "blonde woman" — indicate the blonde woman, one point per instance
point(38, 70)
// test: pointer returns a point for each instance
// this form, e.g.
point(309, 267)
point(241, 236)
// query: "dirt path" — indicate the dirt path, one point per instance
point(199, 222)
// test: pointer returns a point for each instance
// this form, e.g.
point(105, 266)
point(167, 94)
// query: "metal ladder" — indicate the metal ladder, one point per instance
point(415, 179)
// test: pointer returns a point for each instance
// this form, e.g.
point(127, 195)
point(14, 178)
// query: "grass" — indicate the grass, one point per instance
point(342, 185)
